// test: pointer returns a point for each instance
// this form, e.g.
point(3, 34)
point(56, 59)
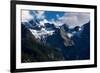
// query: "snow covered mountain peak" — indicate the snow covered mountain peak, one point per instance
point(43, 32)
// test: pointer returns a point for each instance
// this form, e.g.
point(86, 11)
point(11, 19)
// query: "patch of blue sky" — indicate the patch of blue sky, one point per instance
point(49, 15)
point(53, 15)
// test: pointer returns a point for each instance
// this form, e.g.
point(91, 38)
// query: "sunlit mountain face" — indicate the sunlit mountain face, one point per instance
point(55, 36)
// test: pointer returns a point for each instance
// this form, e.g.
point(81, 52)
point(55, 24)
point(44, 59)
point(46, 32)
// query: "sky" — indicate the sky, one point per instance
point(71, 19)
point(53, 15)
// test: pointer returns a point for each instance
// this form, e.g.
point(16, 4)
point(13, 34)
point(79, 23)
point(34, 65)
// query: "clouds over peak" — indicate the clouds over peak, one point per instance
point(73, 19)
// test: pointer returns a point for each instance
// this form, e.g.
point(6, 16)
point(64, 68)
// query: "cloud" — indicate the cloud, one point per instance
point(39, 14)
point(29, 15)
point(26, 16)
point(73, 19)
point(43, 22)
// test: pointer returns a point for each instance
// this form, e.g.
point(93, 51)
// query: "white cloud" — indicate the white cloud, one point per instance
point(40, 15)
point(26, 16)
point(46, 21)
point(73, 19)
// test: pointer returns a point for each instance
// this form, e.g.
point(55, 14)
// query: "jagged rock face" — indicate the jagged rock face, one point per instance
point(81, 48)
point(67, 40)
point(49, 30)
point(34, 51)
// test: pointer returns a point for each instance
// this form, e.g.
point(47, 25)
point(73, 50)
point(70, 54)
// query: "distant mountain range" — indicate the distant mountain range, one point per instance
point(48, 42)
